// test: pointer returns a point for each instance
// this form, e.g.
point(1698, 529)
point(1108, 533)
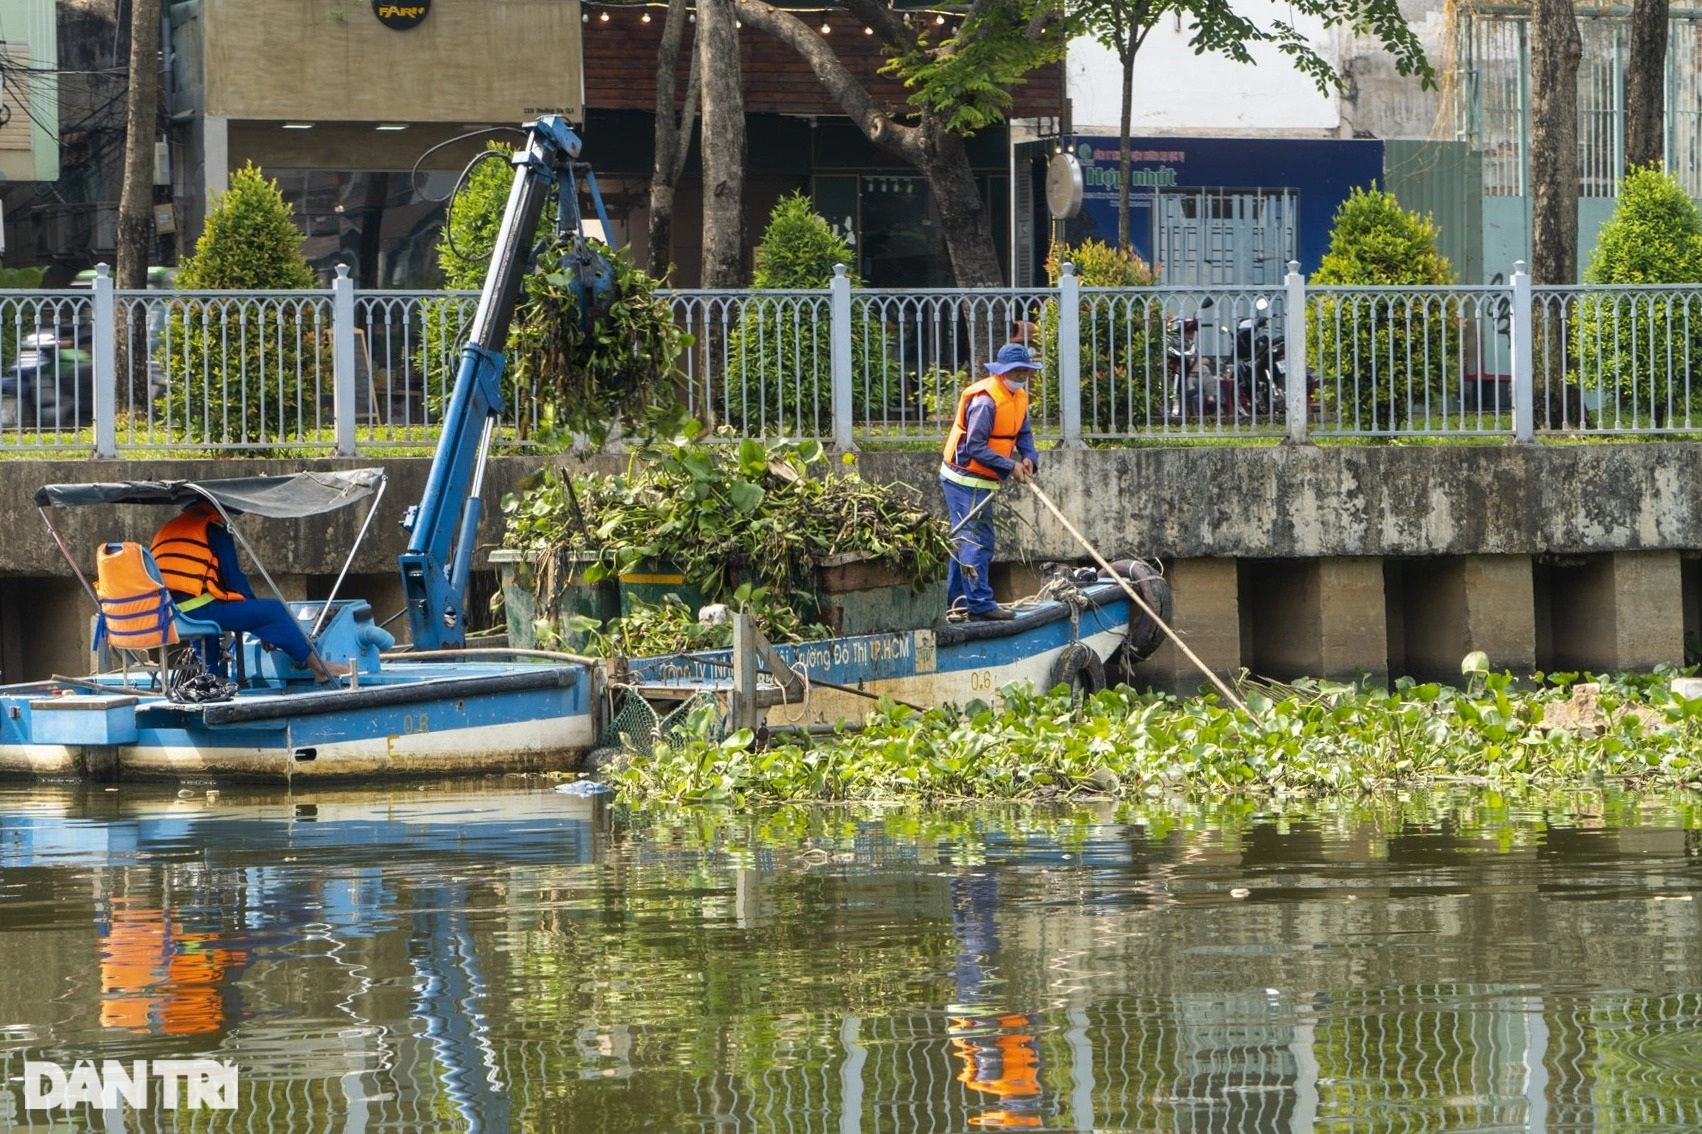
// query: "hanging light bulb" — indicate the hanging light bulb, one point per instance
point(604, 17)
point(825, 30)
point(939, 19)
point(585, 17)
point(868, 31)
point(645, 18)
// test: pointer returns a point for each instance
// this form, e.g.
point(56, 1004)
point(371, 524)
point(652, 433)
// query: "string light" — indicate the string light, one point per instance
point(645, 18)
point(939, 19)
point(825, 30)
point(604, 17)
point(868, 31)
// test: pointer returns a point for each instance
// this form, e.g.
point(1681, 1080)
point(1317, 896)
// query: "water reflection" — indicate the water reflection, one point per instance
point(500, 957)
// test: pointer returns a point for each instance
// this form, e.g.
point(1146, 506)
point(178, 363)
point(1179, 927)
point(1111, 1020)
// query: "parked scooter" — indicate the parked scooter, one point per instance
point(1261, 372)
point(1198, 393)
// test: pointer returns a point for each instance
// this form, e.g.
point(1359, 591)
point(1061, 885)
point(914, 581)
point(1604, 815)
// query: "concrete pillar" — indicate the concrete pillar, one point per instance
point(1207, 615)
point(1352, 628)
point(1500, 610)
point(1609, 613)
point(1450, 606)
point(1648, 625)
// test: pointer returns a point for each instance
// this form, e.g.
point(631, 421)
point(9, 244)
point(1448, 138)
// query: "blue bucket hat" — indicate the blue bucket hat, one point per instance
point(1012, 356)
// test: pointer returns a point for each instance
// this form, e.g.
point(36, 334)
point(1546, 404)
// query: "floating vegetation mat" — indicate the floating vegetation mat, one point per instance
point(1302, 739)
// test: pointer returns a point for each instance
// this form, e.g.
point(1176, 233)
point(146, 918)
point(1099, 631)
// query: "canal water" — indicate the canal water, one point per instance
point(500, 956)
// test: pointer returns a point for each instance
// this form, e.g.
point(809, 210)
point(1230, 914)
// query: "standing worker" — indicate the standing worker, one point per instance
point(989, 442)
point(197, 560)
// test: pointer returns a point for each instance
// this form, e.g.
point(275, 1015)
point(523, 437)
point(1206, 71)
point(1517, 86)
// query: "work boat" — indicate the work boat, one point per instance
point(160, 704)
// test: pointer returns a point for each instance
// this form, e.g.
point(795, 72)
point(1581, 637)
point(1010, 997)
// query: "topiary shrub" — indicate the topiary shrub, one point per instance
point(1377, 355)
point(779, 357)
point(1122, 350)
point(1639, 349)
point(233, 368)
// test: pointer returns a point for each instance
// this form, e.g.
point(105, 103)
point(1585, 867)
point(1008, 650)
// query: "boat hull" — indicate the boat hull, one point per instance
point(409, 721)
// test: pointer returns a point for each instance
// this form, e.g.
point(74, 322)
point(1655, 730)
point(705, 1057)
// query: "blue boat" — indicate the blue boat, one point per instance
point(439, 708)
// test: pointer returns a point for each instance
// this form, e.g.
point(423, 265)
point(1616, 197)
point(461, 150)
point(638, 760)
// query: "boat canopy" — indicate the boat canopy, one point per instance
point(275, 497)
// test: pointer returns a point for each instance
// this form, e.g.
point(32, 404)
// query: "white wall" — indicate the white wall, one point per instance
point(1178, 92)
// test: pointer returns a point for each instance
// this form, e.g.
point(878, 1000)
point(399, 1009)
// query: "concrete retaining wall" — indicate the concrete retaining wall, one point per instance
point(1314, 559)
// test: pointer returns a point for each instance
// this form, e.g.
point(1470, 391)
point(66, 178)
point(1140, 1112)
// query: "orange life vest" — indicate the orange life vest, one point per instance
point(135, 608)
point(185, 554)
point(1009, 412)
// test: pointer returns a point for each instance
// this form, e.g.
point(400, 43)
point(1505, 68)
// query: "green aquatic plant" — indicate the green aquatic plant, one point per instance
point(1307, 739)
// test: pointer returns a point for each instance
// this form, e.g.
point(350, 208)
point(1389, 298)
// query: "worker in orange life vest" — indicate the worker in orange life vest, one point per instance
point(990, 442)
point(197, 559)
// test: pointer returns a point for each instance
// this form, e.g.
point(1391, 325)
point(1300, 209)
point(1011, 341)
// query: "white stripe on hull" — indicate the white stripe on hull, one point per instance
point(521, 746)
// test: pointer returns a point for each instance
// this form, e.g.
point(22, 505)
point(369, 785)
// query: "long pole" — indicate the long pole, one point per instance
point(1140, 603)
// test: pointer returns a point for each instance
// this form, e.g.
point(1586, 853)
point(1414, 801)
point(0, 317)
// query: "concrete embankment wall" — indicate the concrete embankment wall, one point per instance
point(1285, 560)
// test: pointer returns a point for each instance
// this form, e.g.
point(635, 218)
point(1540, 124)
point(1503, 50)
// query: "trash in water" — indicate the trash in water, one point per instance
point(584, 787)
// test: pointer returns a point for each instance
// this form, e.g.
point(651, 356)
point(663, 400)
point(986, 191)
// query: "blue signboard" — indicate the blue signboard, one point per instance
point(1313, 176)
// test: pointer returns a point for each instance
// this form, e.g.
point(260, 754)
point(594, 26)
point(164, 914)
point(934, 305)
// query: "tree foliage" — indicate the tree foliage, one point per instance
point(1122, 353)
point(234, 368)
point(1635, 345)
point(1377, 354)
point(780, 361)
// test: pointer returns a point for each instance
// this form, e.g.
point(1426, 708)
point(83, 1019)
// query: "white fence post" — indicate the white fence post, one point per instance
point(1069, 356)
point(1524, 377)
point(839, 329)
point(106, 364)
point(343, 361)
point(1295, 402)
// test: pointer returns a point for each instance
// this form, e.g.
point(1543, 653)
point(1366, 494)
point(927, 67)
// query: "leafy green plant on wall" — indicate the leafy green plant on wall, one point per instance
point(779, 357)
point(234, 368)
point(1640, 350)
point(1122, 349)
point(1379, 355)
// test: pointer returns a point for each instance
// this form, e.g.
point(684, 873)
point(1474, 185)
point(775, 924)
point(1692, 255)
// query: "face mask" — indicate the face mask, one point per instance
point(1014, 384)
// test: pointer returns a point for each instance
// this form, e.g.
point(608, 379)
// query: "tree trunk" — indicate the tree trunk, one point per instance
point(1645, 84)
point(936, 153)
point(1556, 49)
point(673, 140)
point(136, 198)
point(723, 145)
point(1125, 124)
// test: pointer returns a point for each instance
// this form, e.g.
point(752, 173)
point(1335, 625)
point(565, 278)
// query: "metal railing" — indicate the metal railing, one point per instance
point(339, 371)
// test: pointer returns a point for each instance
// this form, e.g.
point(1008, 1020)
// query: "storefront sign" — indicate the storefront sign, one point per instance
point(400, 17)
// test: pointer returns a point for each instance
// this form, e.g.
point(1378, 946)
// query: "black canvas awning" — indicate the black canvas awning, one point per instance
point(276, 497)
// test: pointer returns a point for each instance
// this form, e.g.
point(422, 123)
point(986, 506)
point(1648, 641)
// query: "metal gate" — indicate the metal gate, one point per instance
point(1224, 237)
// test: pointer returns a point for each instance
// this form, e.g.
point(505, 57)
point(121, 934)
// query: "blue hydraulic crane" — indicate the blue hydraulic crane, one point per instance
point(443, 526)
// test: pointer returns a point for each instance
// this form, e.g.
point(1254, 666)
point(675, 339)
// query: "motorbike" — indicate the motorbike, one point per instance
point(1261, 370)
point(51, 383)
point(1198, 392)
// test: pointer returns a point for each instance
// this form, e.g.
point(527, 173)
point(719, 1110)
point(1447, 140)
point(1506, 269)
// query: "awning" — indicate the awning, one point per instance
point(276, 497)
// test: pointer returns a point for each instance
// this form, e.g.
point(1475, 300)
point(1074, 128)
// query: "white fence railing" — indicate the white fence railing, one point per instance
point(340, 371)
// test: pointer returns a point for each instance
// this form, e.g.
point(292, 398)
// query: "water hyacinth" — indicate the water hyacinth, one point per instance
point(1309, 738)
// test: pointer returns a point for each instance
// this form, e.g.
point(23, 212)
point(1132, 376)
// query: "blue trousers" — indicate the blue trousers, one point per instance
point(969, 577)
point(267, 619)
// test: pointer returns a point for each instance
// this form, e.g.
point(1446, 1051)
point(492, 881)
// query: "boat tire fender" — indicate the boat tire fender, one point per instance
point(1144, 634)
point(1079, 668)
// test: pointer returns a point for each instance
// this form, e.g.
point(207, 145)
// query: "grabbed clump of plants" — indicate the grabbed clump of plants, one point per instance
point(1309, 738)
point(745, 523)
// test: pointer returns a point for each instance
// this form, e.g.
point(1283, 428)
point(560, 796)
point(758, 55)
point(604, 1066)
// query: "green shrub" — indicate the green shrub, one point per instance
point(234, 368)
point(1384, 352)
point(1632, 346)
point(1122, 351)
point(779, 357)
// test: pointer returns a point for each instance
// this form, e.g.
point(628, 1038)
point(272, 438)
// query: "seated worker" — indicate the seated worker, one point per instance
point(197, 560)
